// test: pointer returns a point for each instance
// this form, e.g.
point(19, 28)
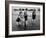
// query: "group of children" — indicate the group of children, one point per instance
point(24, 17)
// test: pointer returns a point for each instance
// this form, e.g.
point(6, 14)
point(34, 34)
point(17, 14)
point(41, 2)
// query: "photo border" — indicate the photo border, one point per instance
point(7, 18)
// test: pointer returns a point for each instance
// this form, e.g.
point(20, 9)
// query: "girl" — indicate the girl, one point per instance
point(33, 15)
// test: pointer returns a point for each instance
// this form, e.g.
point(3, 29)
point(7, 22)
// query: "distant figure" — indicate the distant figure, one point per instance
point(33, 15)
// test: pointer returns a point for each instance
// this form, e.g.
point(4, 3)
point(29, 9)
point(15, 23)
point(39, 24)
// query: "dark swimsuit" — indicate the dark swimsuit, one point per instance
point(33, 16)
point(25, 17)
point(18, 19)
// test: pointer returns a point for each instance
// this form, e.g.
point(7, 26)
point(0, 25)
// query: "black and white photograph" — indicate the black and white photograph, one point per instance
point(25, 18)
